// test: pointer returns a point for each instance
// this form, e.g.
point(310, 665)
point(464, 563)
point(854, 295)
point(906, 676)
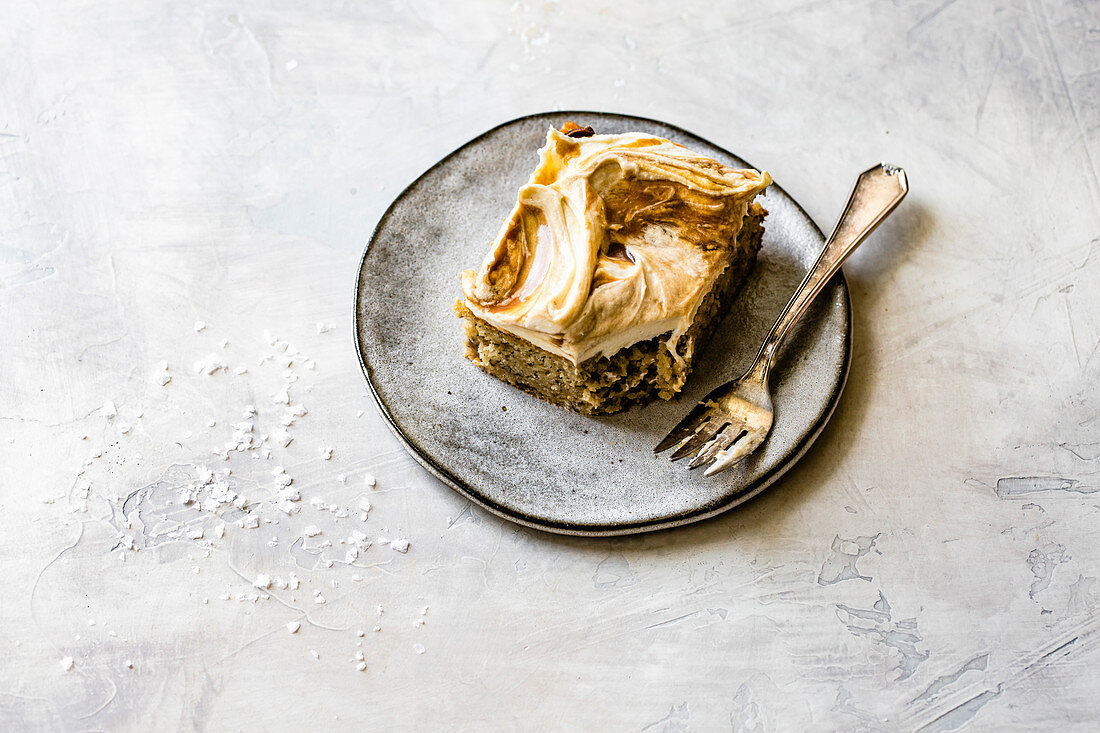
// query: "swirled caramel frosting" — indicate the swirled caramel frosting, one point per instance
point(615, 239)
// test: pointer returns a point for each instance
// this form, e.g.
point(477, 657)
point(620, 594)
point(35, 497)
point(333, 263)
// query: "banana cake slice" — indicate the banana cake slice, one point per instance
point(617, 262)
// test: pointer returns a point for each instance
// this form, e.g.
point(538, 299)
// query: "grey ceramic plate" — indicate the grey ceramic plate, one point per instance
point(538, 464)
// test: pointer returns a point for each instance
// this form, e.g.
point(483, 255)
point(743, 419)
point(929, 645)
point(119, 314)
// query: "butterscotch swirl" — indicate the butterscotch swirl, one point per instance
point(615, 239)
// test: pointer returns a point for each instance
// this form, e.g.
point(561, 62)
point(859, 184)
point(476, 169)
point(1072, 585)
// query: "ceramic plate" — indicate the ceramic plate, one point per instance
point(538, 464)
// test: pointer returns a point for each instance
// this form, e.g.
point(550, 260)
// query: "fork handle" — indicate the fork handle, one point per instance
point(877, 191)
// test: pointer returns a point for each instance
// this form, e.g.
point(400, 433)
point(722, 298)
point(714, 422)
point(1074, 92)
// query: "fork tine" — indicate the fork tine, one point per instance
point(697, 441)
point(726, 436)
point(684, 428)
point(723, 440)
point(747, 445)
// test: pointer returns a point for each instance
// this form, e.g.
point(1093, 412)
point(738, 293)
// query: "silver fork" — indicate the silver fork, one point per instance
point(733, 420)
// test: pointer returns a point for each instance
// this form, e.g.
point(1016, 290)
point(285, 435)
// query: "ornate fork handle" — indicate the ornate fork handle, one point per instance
point(877, 192)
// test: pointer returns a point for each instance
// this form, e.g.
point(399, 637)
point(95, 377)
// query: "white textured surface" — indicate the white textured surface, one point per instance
point(167, 163)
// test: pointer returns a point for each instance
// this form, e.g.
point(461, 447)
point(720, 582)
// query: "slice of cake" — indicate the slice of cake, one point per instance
point(620, 257)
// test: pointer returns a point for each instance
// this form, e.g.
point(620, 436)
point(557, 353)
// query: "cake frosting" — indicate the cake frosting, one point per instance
point(615, 239)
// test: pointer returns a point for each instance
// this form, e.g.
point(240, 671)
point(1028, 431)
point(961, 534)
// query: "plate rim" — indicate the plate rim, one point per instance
point(622, 528)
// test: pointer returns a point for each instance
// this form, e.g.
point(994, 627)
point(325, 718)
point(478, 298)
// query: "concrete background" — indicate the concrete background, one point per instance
point(931, 563)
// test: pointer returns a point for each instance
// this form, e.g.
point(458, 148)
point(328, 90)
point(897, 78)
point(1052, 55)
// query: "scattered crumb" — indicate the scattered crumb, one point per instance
point(129, 663)
point(418, 648)
point(210, 364)
point(211, 491)
point(361, 666)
